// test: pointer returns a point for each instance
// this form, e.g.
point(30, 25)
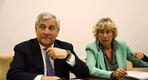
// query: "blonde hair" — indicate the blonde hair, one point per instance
point(105, 23)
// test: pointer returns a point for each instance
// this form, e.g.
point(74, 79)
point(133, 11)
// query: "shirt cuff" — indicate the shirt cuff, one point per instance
point(71, 62)
point(38, 77)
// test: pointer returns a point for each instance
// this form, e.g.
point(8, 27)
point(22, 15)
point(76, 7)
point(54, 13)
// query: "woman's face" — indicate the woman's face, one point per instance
point(105, 37)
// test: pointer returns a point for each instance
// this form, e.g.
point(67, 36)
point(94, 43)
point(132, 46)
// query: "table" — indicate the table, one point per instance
point(144, 69)
point(125, 78)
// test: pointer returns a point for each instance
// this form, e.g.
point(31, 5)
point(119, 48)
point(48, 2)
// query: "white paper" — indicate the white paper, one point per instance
point(138, 75)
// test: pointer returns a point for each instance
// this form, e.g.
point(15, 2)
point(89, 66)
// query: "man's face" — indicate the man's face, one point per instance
point(105, 37)
point(47, 31)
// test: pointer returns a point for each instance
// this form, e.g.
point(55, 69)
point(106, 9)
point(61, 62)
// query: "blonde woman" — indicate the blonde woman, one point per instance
point(106, 57)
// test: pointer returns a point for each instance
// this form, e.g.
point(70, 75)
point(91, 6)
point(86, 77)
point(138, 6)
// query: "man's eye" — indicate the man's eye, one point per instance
point(42, 27)
point(51, 28)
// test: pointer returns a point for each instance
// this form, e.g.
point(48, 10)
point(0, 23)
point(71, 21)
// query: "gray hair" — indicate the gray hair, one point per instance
point(47, 15)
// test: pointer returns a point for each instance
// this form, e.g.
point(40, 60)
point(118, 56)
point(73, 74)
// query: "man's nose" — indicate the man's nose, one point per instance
point(47, 31)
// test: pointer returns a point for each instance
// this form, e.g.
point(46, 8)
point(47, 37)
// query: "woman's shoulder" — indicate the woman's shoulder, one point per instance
point(91, 45)
point(122, 42)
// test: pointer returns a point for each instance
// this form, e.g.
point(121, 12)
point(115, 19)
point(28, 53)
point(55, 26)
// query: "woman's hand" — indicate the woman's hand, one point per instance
point(120, 72)
point(138, 56)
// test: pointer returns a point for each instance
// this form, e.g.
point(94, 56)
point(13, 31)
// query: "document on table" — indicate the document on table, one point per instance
point(138, 75)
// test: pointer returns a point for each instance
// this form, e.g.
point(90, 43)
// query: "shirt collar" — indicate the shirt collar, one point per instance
point(114, 44)
point(42, 47)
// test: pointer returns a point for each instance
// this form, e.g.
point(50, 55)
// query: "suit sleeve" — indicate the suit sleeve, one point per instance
point(91, 62)
point(130, 58)
point(18, 69)
point(145, 58)
point(80, 68)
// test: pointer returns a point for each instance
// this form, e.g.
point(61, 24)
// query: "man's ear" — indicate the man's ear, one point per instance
point(35, 30)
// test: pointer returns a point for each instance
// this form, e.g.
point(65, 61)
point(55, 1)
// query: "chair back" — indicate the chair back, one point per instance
point(129, 65)
point(5, 60)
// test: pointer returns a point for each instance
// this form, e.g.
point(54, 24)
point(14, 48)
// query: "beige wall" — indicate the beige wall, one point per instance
point(77, 17)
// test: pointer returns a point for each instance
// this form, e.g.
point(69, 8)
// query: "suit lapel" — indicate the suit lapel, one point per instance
point(99, 59)
point(60, 66)
point(37, 56)
point(120, 58)
point(56, 44)
point(56, 62)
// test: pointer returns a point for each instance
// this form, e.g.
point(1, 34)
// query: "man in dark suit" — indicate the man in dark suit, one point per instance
point(30, 59)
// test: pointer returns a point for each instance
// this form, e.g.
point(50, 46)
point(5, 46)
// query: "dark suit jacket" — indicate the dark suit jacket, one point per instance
point(28, 63)
point(145, 59)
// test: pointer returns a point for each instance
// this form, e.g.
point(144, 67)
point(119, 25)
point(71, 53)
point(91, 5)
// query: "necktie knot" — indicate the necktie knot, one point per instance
point(44, 49)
